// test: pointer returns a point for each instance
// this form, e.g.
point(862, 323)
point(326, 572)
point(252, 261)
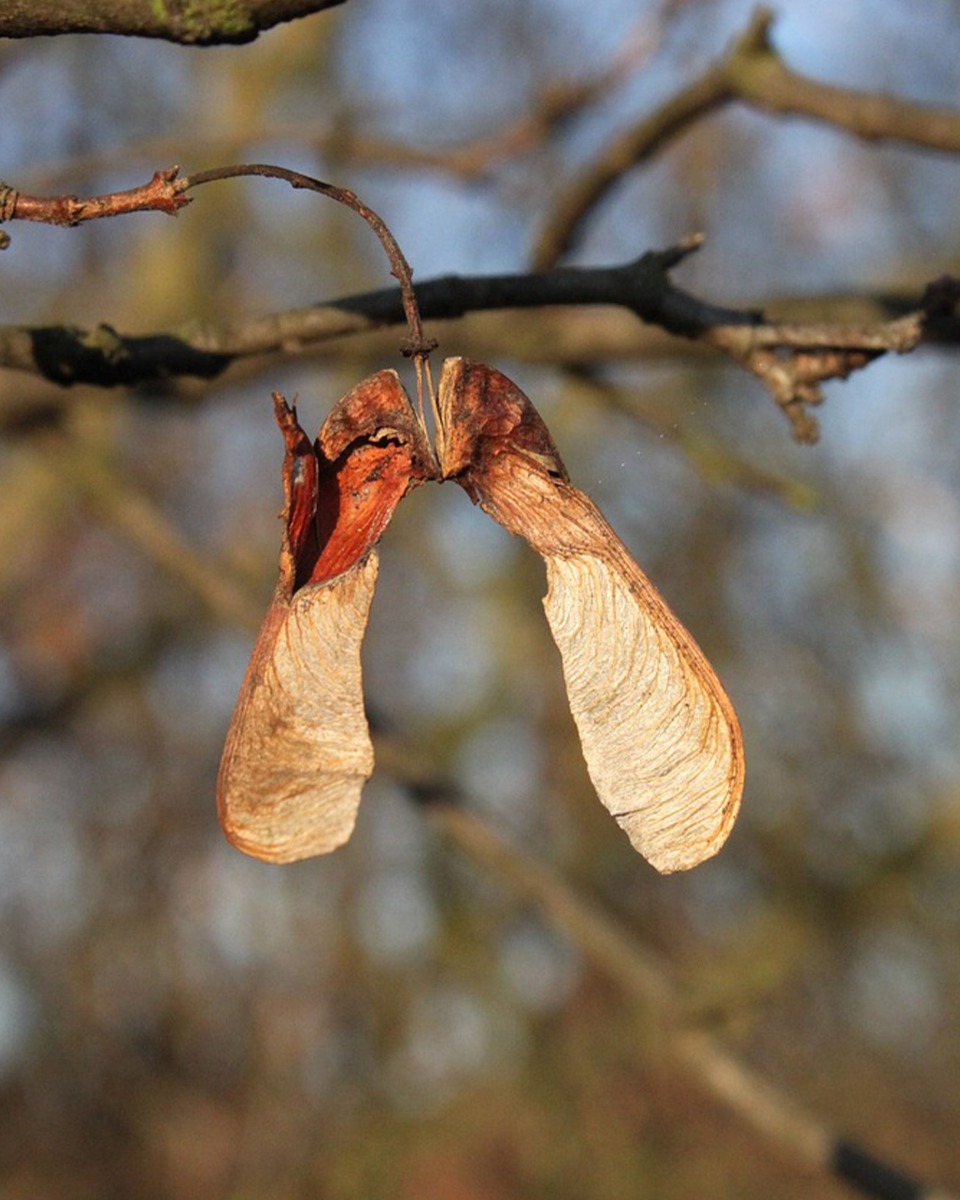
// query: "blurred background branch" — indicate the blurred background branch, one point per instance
point(667, 1037)
point(753, 73)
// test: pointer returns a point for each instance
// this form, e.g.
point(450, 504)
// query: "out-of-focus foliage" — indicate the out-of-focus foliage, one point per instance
point(179, 1021)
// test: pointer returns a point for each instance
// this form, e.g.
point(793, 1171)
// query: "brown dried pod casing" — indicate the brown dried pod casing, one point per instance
point(298, 750)
point(660, 737)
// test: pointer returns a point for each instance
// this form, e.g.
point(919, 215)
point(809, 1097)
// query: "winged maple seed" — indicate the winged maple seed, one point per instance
point(298, 750)
point(660, 737)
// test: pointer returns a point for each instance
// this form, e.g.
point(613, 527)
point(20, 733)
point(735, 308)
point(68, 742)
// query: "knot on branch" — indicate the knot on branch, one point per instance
point(796, 377)
point(795, 361)
point(8, 201)
point(418, 347)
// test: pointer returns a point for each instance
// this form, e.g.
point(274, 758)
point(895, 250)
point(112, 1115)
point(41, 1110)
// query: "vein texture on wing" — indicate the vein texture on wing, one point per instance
point(299, 751)
point(658, 734)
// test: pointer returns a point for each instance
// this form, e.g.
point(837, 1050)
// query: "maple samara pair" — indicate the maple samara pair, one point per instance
point(660, 737)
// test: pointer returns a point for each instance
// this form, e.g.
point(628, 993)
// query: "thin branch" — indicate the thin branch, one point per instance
point(555, 107)
point(716, 459)
point(134, 514)
point(628, 150)
point(166, 193)
point(751, 72)
point(211, 23)
point(162, 194)
point(417, 346)
point(793, 361)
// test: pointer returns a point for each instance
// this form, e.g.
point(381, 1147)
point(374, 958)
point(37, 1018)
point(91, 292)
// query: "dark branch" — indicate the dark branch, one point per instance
point(66, 354)
point(643, 286)
point(106, 358)
point(793, 360)
point(873, 1177)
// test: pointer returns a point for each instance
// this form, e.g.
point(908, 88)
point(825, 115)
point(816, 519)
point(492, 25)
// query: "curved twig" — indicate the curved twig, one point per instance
point(166, 193)
point(417, 347)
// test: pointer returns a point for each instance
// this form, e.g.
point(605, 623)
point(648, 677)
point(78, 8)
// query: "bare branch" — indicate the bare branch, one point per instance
point(754, 73)
point(131, 511)
point(758, 75)
point(622, 154)
point(207, 23)
point(792, 360)
point(165, 193)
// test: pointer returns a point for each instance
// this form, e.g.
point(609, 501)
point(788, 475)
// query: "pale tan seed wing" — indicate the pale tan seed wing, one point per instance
point(298, 751)
point(660, 737)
